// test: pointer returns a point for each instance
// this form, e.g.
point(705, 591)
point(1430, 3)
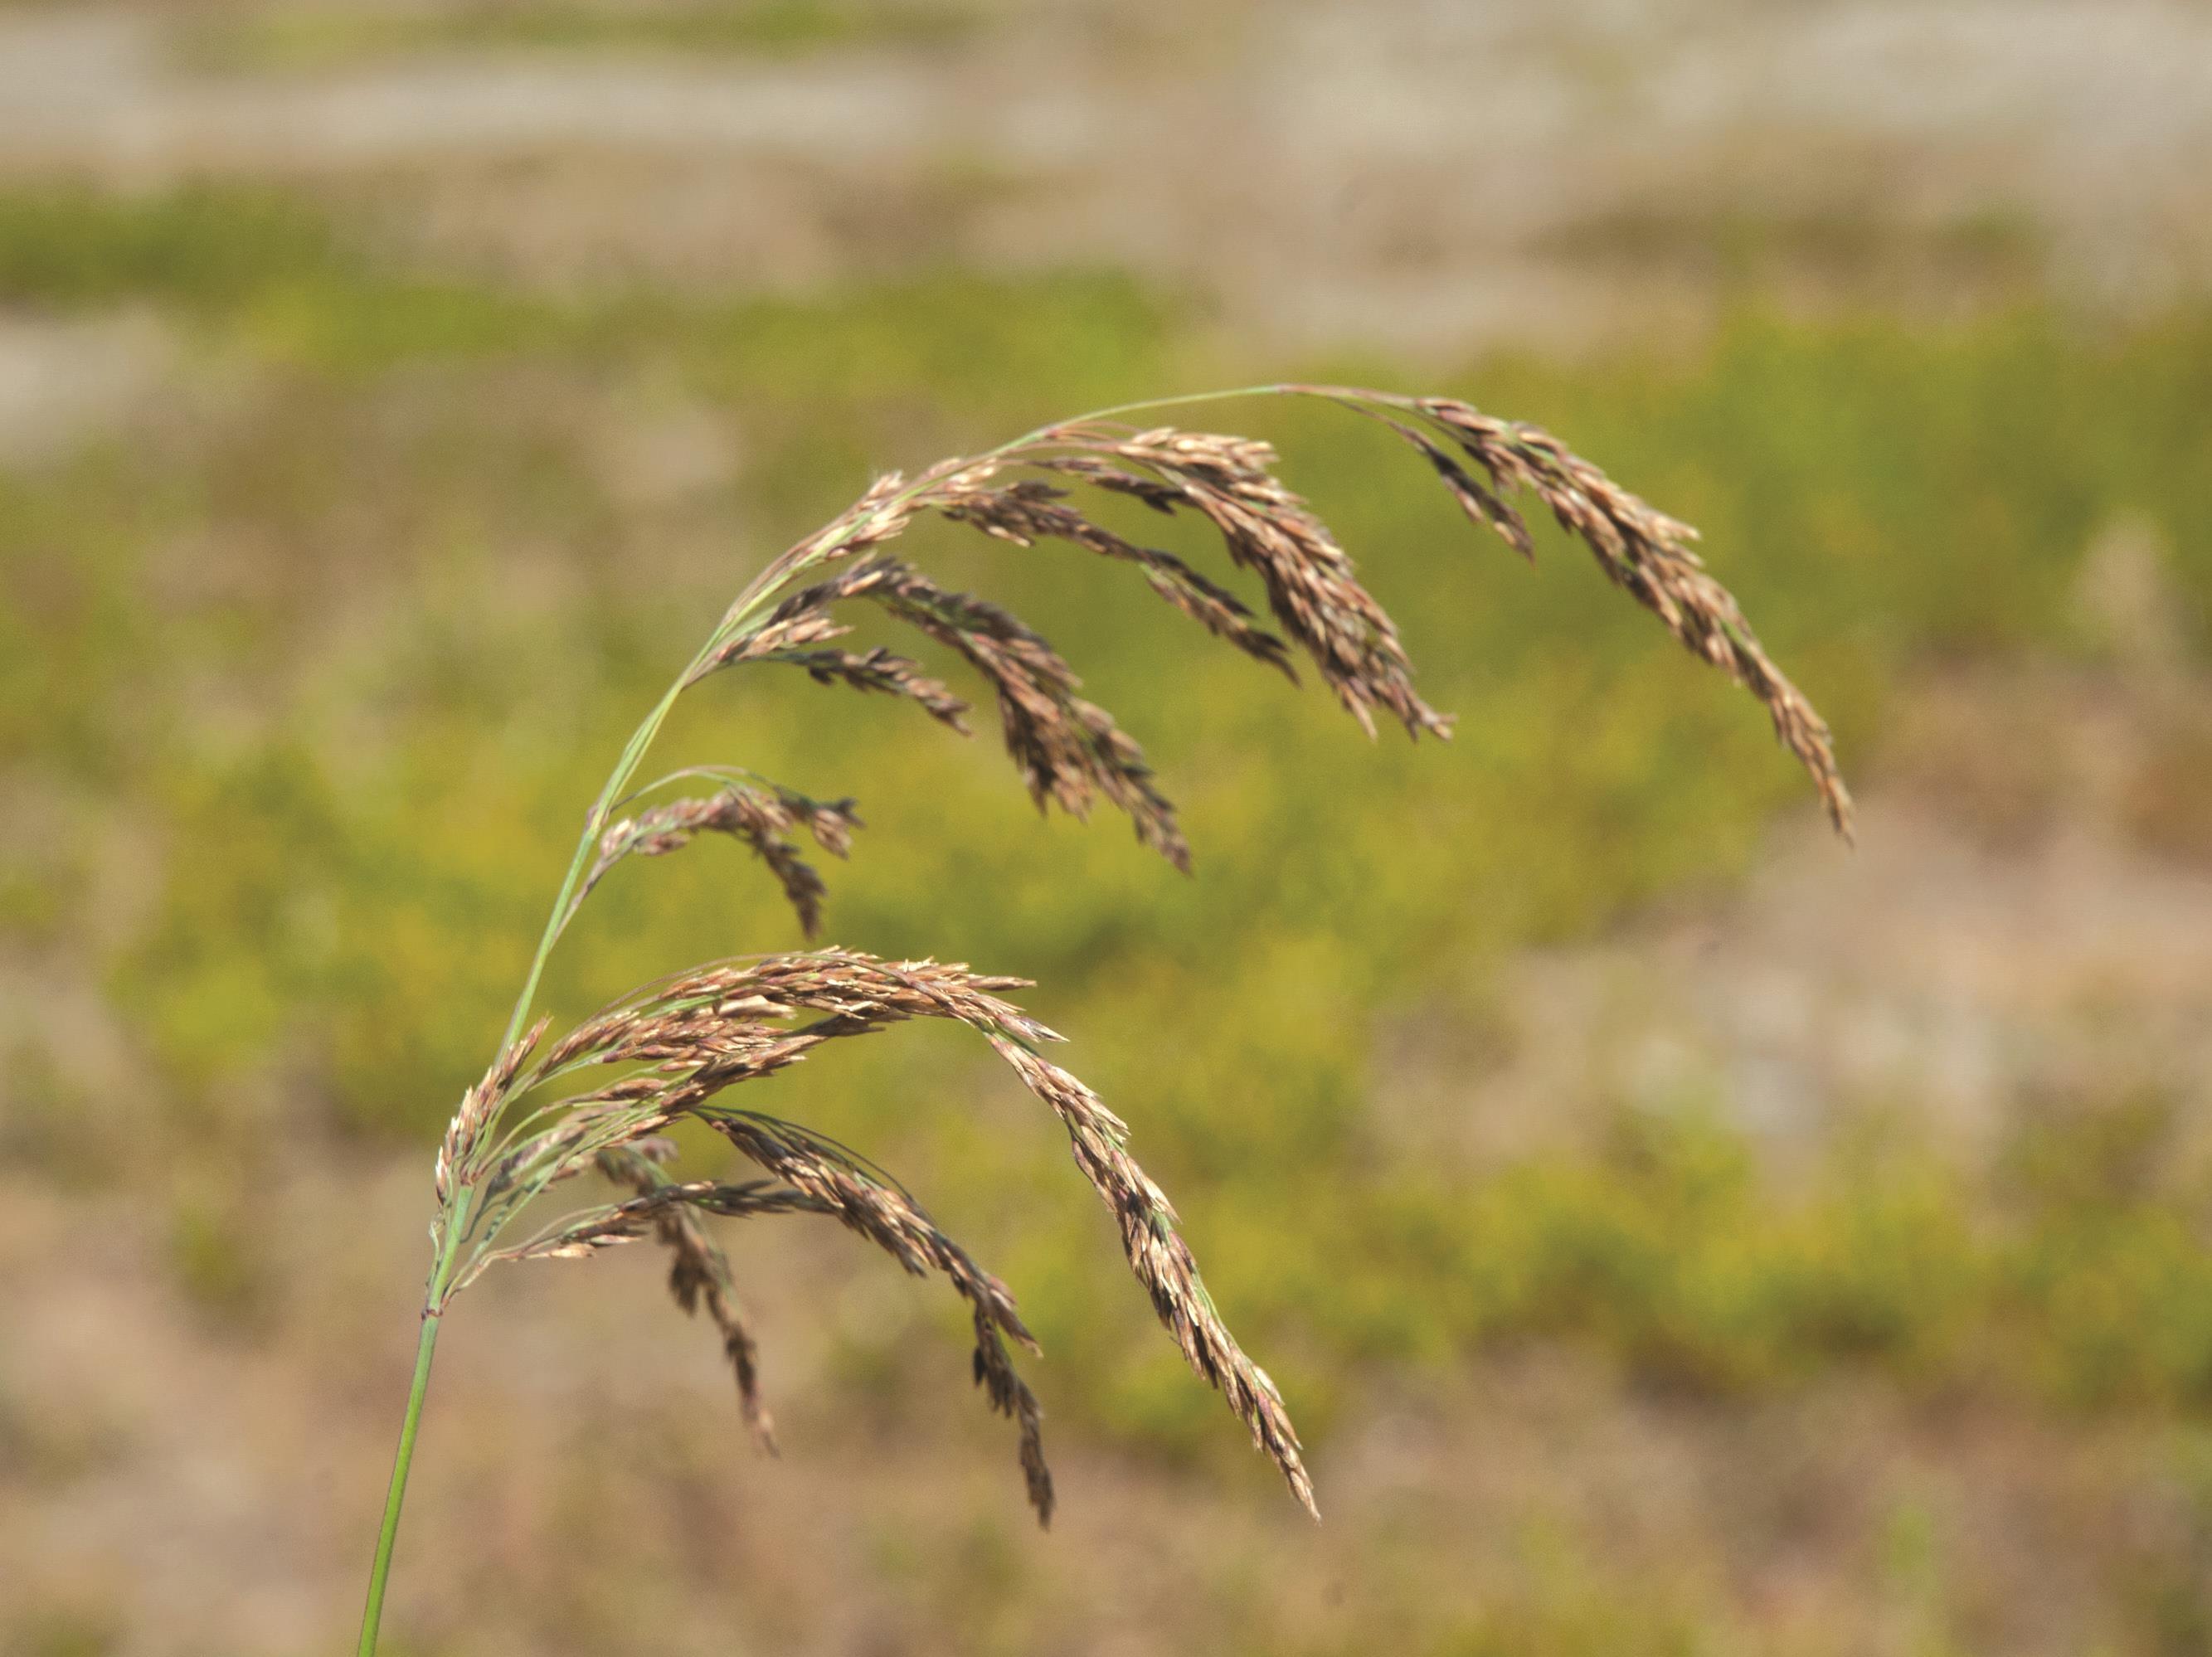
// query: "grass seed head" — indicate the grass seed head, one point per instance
point(678, 1049)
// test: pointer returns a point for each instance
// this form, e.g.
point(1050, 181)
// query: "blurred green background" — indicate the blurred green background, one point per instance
point(1674, 1233)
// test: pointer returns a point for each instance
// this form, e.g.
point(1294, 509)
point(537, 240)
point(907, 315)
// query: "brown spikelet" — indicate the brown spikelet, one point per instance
point(815, 1179)
point(760, 818)
point(479, 1107)
point(793, 627)
point(1068, 750)
point(639, 1217)
point(1312, 589)
point(888, 1219)
point(715, 1028)
point(816, 1185)
point(1029, 511)
point(879, 670)
point(791, 635)
point(1163, 1264)
point(880, 515)
point(698, 1274)
point(724, 1023)
point(1643, 551)
point(1483, 506)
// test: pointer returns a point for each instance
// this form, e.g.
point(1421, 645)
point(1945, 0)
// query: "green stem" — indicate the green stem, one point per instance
point(433, 1314)
point(374, 1615)
point(594, 822)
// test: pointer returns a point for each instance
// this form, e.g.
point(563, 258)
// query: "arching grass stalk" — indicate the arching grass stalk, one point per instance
point(673, 1050)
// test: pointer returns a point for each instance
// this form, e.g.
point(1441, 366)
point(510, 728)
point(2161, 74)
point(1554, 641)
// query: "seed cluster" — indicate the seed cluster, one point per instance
point(762, 818)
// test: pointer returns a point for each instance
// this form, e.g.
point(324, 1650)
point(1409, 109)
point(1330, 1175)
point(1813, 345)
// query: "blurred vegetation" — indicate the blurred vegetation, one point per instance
point(336, 663)
point(323, 38)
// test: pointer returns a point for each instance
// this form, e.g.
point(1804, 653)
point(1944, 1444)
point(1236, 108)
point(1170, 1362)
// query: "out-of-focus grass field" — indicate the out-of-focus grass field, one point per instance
point(305, 675)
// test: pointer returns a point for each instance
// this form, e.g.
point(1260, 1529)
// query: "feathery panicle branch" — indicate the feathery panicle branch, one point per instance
point(1642, 550)
point(705, 1032)
point(698, 1271)
point(1029, 511)
point(762, 818)
point(888, 1218)
point(1311, 587)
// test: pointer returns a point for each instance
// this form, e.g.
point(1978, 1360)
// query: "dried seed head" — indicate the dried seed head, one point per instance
point(706, 1031)
point(683, 1043)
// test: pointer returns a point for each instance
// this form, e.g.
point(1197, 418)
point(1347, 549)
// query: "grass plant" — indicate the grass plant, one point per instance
point(676, 1051)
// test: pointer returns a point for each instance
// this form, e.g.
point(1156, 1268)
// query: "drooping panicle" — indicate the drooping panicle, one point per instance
point(676, 1051)
point(705, 1032)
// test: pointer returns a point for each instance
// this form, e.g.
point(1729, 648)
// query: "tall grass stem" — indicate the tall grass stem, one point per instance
point(372, 1616)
